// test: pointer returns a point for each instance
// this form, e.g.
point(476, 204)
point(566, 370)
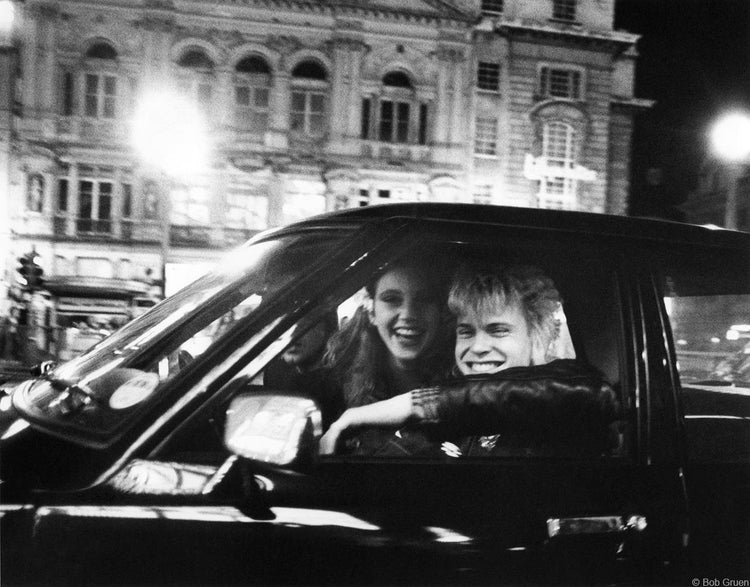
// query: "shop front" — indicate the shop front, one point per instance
point(84, 310)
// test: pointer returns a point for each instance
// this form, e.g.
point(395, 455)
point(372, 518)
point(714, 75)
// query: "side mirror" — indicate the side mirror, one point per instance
point(280, 430)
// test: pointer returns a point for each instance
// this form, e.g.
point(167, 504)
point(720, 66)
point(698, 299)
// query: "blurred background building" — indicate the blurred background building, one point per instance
point(140, 139)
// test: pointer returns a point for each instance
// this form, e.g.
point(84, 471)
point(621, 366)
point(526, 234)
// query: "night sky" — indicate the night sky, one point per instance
point(695, 62)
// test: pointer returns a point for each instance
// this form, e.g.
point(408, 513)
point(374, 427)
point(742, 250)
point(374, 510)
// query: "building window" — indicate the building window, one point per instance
point(482, 194)
point(100, 95)
point(364, 198)
point(488, 76)
point(190, 206)
point(252, 87)
point(127, 200)
point(564, 9)
point(557, 82)
point(309, 99)
point(303, 199)
point(395, 115)
point(394, 122)
point(94, 88)
point(62, 194)
point(485, 136)
point(67, 101)
point(196, 78)
point(422, 134)
point(492, 6)
point(246, 211)
point(101, 50)
point(365, 126)
point(126, 206)
point(94, 206)
point(558, 188)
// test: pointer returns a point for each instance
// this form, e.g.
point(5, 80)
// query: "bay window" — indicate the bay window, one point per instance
point(558, 187)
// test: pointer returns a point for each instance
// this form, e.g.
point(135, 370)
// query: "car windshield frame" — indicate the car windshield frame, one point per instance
point(69, 382)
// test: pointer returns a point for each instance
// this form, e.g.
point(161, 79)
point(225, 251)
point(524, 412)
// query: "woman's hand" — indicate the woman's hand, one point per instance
point(394, 412)
point(329, 440)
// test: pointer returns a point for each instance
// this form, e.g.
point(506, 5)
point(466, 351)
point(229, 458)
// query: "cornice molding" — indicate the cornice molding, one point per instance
point(566, 33)
point(444, 11)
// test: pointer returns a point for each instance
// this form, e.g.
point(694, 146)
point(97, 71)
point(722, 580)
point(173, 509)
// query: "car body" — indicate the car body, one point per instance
point(144, 460)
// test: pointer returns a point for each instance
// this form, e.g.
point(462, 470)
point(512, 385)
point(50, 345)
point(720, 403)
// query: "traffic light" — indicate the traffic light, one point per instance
point(30, 271)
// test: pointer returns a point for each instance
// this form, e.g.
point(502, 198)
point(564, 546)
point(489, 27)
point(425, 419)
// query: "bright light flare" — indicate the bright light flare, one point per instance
point(170, 133)
point(7, 16)
point(730, 137)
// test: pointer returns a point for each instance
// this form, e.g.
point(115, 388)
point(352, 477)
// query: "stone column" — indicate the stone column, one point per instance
point(48, 78)
point(458, 111)
point(280, 104)
point(72, 200)
point(31, 95)
point(223, 101)
point(346, 103)
point(442, 104)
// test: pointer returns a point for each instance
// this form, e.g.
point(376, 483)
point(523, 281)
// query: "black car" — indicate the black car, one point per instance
point(159, 456)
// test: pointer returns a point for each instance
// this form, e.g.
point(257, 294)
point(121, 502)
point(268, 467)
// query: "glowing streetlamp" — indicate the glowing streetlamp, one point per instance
point(170, 135)
point(7, 16)
point(730, 141)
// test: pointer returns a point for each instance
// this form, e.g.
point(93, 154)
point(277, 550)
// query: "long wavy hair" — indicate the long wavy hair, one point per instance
point(358, 358)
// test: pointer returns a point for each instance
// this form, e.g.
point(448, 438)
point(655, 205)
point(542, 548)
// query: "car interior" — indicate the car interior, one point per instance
point(590, 322)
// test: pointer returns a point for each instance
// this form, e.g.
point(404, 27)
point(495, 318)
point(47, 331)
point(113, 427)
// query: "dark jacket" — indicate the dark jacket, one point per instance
point(561, 407)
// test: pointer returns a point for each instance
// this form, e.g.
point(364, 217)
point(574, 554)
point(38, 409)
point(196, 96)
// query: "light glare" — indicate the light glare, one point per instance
point(7, 16)
point(170, 133)
point(730, 137)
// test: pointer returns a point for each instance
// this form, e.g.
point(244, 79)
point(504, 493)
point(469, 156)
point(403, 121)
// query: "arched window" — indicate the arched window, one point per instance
point(558, 187)
point(309, 99)
point(252, 86)
point(395, 114)
point(195, 77)
point(90, 88)
point(397, 79)
point(310, 70)
point(101, 50)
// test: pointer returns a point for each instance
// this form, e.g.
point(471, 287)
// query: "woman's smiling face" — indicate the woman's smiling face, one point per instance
point(406, 313)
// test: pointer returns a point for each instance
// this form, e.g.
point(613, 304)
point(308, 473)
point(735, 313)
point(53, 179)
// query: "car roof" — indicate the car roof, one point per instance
point(558, 220)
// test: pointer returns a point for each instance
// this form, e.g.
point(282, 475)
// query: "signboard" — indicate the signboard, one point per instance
point(540, 168)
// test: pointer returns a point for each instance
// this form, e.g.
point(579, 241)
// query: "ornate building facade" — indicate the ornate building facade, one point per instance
point(308, 107)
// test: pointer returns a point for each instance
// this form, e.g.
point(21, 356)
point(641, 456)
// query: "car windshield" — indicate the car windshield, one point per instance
point(99, 390)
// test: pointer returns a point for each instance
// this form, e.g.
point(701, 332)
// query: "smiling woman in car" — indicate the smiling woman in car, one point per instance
point(515, 391)
point(394, 342)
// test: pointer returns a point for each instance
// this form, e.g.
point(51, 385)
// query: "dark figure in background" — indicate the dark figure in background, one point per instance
point(299, 367)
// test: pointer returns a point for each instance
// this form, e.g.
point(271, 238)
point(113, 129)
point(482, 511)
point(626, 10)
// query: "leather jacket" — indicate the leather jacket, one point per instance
point(556, 408)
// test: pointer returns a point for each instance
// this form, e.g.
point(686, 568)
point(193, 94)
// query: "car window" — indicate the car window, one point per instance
point(105, 387)
point(708, 304)
point(588, 328)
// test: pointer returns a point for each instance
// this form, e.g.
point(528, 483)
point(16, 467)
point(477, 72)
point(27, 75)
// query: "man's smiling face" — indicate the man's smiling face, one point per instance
point(492, 339)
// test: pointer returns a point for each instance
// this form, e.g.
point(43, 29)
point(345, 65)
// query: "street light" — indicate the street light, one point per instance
point(7, 16)
point(730, 141)
point(169, 134)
